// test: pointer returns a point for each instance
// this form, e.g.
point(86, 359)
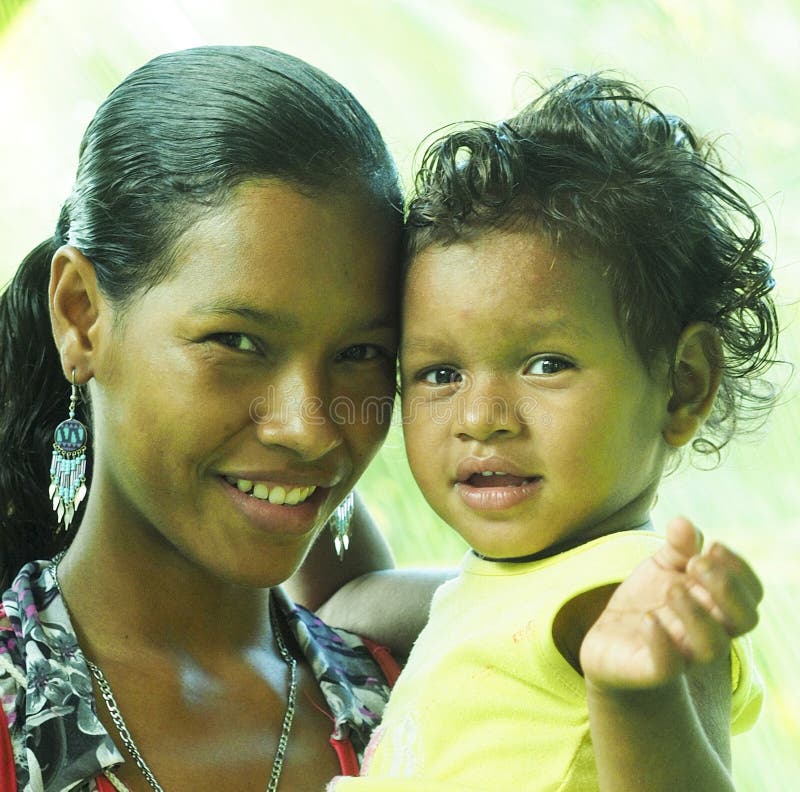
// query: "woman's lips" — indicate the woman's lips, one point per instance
point(277, 517)
point(496, 493)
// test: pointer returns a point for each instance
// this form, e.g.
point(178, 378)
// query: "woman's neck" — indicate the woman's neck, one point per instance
point(129, 587)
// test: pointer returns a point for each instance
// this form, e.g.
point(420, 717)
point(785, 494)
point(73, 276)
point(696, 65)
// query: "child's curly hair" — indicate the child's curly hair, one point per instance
point(592, 161)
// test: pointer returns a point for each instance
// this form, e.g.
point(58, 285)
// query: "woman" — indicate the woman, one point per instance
point(222, 275)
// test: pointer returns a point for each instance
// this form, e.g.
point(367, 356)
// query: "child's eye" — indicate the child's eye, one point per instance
point(444, 375)
point(544, 366)
point(362, 352)
point(237, 341)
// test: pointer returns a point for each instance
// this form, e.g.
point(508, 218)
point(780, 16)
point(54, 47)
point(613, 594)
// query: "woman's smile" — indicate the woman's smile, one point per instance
point(290, 494)
point(276, 508)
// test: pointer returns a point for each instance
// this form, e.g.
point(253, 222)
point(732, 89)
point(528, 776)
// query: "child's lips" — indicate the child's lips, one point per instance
point(497, 495)
point(472, 470)
point(495, 480)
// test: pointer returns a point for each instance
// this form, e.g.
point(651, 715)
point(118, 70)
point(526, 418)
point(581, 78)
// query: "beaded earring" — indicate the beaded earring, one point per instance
point(339, 523)
point(68, 465)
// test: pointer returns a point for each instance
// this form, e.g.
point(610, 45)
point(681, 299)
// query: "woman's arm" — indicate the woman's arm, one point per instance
point(390, 607)
point(322, 573)
point(363, 592)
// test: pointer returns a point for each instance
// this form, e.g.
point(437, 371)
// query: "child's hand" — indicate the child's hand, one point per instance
point(676, 609)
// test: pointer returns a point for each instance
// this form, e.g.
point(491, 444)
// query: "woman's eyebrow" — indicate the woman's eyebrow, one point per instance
point(386, 322)
point(224, 309)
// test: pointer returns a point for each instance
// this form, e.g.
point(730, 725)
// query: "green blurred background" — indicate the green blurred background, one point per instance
point(730, 66)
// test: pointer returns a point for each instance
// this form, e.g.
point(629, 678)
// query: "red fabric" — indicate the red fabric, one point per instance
point(8, 771)
point(383, 657)
point(346, 754)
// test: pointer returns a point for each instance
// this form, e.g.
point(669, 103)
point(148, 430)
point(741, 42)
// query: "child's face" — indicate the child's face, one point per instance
point(512, 361)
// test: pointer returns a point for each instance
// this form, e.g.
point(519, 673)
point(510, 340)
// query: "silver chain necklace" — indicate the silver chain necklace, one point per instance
point(126, 737)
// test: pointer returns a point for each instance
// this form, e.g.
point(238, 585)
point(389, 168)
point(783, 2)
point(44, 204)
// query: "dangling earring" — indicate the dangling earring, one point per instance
point(68, 466)
point(339, 523)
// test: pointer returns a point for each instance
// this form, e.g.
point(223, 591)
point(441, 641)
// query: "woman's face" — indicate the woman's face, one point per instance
point(236, 403)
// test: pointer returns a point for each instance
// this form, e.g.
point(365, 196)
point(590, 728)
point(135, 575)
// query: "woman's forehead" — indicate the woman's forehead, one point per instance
point(274, 255)
point(270, 230)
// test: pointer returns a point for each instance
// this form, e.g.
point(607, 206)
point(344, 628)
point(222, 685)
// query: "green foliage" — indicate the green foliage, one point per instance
point(8, 10)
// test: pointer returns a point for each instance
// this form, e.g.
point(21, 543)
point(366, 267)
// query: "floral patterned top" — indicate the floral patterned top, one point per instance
point(57, 741)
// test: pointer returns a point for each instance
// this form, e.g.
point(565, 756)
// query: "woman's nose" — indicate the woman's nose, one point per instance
point(294, 413)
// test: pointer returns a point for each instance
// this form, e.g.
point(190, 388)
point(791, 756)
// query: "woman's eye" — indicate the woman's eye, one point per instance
point(237, 341)
point(361, 352)
point(441, 376)
point(544, 366)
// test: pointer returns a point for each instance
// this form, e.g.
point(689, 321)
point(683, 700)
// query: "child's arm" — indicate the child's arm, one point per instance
point(656, 664)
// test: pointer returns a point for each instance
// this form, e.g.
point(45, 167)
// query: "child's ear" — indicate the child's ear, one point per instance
point(695, 380)
point(77, 311)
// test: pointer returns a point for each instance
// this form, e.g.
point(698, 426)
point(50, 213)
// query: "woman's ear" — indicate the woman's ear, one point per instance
point(77, 311)
point(696, 375)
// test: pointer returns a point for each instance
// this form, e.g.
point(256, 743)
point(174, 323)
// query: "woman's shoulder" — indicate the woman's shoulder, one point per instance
point(34, 630)
point(354, 674)
point(23, 604)
point(47, 689)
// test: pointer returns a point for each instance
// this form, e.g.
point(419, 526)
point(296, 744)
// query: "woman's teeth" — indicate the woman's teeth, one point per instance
point(279, 495)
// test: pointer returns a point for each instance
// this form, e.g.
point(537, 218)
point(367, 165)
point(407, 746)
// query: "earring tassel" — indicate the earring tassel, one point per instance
point(68, 470)
point(340, 525)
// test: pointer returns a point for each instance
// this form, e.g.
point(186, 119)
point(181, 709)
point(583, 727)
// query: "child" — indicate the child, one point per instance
point(584, 296)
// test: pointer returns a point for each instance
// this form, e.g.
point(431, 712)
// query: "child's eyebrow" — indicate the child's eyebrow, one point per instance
point(422, 345)
point(564, 325)
point(534, 330)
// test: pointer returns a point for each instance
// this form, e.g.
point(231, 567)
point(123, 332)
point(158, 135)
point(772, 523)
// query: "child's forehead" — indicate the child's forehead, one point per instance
point(525, 264)
point(507, 289)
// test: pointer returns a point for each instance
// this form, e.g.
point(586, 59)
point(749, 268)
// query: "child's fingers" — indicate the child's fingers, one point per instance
point(721, 562)
point(703, 596)
point(737, 566)
point(698, 636)
point(683, 542)
point(727, 588)
point(734, 624)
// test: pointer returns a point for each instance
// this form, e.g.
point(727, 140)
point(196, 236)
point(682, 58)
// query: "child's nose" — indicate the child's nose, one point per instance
point(486, 410)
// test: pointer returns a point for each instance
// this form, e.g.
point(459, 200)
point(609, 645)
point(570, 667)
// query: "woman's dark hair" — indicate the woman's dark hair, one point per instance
point(592, 162)
point(168, 144)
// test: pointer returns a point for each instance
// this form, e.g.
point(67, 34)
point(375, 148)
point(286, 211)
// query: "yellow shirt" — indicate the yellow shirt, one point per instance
point(487, 702)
